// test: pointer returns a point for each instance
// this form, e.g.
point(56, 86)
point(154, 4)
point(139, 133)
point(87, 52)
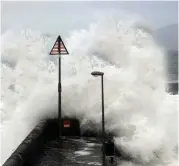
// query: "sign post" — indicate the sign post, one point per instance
point(59, 49)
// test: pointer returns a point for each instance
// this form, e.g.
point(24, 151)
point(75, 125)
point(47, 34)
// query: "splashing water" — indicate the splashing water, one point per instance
point(137, 108)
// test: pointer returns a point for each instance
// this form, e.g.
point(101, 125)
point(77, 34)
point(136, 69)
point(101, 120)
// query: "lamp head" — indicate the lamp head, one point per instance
point(97, 73)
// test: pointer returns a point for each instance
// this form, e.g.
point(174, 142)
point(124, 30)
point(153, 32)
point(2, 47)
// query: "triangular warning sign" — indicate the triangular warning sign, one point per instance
point(59, 48)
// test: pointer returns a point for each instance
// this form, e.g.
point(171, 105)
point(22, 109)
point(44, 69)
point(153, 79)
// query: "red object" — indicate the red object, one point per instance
point(66, 124)
point(59, 48)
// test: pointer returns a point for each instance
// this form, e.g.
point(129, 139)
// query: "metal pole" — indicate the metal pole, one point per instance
point(103, 129)
point(59, 92)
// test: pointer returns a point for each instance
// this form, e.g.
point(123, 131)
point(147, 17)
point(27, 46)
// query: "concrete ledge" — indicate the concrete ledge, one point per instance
point(33, 143)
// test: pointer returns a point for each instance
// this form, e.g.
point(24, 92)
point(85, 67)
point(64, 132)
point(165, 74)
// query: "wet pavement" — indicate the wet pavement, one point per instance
point(70, 152)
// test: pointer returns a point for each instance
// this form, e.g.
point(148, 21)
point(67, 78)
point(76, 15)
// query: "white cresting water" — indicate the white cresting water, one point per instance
point(137, 108)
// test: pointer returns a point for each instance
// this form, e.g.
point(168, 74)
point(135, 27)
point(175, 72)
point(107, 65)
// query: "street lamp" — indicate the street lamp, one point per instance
point(96, 74)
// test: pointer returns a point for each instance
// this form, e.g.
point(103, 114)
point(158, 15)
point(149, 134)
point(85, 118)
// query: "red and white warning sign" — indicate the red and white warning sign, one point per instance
point(59, 48)
point(66, 124)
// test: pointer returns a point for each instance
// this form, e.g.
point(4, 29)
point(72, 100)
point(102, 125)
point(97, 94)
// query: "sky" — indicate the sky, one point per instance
point(64, 16)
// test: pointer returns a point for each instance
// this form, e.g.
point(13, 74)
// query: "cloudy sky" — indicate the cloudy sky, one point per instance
point(64, 16)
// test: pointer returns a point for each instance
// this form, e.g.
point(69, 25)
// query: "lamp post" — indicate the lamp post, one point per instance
point(96, 74)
